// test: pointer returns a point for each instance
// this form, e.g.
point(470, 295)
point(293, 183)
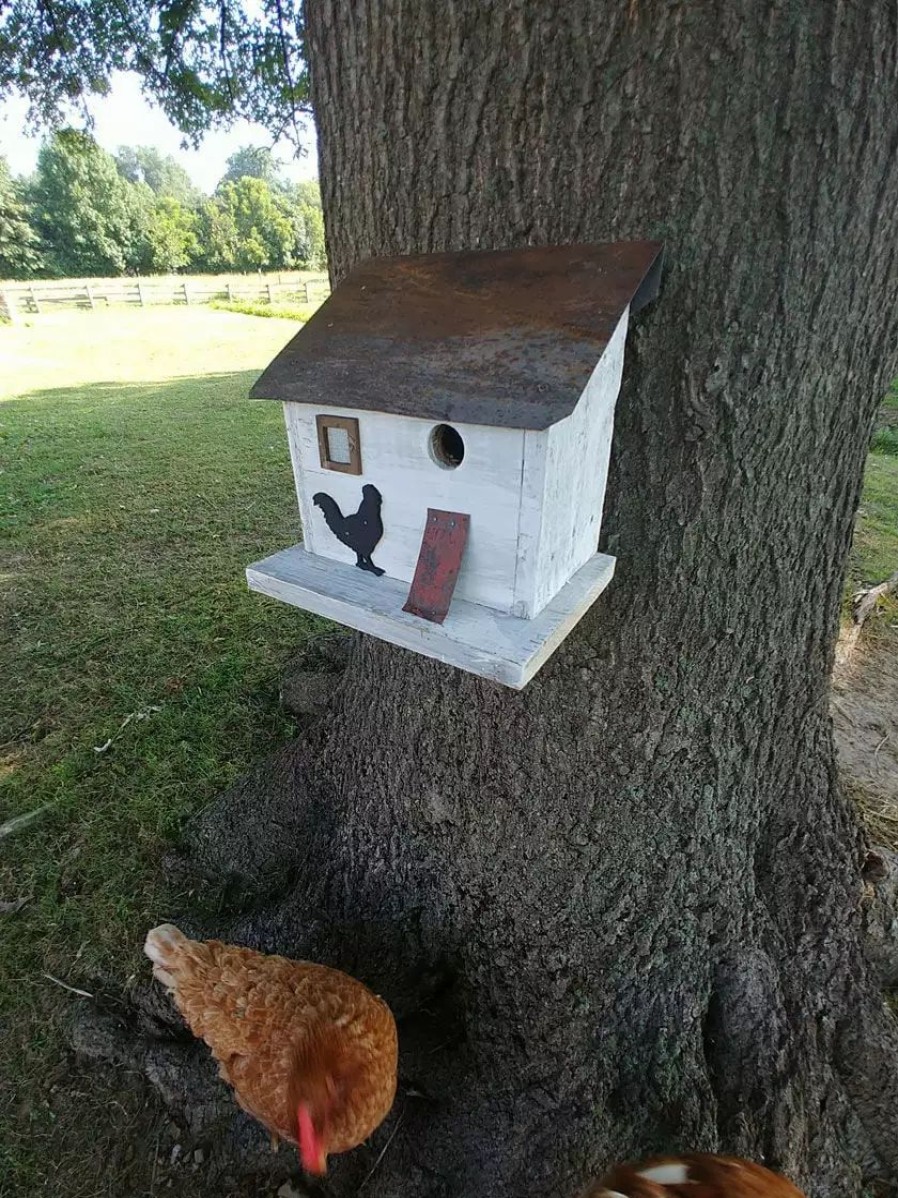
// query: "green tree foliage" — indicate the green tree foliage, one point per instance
point(164, 201)
point(217, 238)
point(309, 224)
point(203, 63)
point(160, 172)
point(308, 192)
point(253, 162)
point(99, 215)
point(171, 241)
point(265, 234)
point(87, 215)
point(19, 254)
point(310, 247)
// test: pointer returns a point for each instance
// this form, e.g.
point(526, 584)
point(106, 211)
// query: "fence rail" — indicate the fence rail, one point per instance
point(23, 299)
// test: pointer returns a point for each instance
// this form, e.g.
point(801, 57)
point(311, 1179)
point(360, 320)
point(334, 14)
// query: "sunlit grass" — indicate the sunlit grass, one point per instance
point(298, 312)
point(63, 350)
point(874, 554)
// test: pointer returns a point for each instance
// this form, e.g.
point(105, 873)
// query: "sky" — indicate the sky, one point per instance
point(126, 118)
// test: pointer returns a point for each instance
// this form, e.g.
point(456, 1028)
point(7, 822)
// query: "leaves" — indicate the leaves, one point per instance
point(253, 162)
point(87, 214)
point(19, 254)
point(205, 64)
point(251, 226)
point(160, 172)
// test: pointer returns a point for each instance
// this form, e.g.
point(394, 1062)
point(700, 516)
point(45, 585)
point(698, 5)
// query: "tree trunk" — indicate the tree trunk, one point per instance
point(628, 898)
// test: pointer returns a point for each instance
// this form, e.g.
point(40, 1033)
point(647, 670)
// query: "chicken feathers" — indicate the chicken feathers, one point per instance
point(693, 1176)
point(287, 1036)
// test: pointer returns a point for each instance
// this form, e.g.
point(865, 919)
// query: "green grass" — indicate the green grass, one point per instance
point(299, 312)
point(885, 440)
point(128, 511)
point(885, 436)
point(874, 553)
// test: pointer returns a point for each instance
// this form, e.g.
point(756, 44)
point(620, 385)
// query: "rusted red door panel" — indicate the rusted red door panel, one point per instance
point(439, 561)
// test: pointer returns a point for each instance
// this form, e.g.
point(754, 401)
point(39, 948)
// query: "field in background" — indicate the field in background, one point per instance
point(292, 288)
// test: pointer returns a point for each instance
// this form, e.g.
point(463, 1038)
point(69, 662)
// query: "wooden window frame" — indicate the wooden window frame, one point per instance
point(351, 426)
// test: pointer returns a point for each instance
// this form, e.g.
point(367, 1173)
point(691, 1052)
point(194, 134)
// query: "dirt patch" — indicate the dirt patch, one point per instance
point(865, 719)
point(99, 1130)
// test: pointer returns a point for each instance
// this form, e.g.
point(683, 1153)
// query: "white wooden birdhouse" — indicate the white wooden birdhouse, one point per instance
point(450, 420)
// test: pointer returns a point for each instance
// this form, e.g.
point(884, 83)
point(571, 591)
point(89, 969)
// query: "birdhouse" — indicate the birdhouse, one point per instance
point(450, 419)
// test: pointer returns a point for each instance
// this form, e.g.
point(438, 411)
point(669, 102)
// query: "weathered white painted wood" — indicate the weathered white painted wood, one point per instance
point(303, 494)
point(533, 486)
point(563, 485)
point(505, 648)
point(396, 458)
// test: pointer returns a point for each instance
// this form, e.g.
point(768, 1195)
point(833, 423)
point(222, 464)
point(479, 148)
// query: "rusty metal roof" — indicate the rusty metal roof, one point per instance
point(505, 337)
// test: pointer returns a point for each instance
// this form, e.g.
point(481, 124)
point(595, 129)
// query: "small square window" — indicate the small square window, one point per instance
point(338, 444)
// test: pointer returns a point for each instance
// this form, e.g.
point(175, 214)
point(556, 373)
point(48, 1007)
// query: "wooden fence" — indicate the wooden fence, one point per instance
point(23, 299)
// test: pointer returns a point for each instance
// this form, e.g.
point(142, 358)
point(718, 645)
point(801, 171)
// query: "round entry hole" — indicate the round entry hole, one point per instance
point(446, 446)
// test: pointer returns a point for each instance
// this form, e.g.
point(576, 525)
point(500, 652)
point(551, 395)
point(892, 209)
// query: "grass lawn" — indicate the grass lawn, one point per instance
point(136, 482)
point(300, 312)
point(874, 555)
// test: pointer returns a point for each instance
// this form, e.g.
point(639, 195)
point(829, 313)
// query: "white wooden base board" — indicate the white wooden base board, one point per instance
point(504, 648)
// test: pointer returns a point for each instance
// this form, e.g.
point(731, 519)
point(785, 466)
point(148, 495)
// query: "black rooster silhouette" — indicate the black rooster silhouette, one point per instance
point(360, 532)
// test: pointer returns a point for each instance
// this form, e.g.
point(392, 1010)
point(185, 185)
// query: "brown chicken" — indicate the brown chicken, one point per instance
point(692, 1176)
point(310, 1052)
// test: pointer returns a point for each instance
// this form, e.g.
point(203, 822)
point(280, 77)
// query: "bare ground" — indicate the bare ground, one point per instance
point(865, 720)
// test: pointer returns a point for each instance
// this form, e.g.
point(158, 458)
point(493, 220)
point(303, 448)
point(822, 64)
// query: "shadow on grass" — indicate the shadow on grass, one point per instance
point(239, 382)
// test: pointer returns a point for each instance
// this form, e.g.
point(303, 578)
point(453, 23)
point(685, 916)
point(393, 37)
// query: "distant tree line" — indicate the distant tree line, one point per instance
point(87, 213)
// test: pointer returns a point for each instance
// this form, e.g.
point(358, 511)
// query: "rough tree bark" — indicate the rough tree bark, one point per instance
point(621, 910)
